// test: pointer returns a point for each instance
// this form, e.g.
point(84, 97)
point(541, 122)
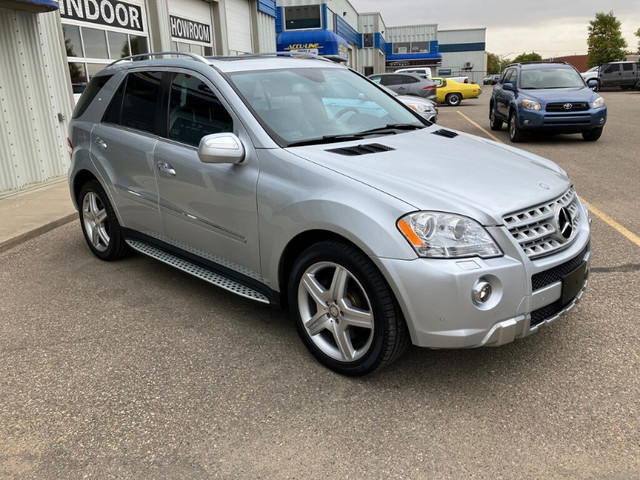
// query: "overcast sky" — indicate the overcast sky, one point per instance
point(548, 27)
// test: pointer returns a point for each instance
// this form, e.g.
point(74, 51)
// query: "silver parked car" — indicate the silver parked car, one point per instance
point(299, 183)
point(407, 84)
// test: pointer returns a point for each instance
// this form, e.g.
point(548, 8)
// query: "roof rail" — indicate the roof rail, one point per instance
point(150, 55)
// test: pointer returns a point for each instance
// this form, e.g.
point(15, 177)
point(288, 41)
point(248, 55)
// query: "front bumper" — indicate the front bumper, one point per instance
point(560, 122)
point(436, 296)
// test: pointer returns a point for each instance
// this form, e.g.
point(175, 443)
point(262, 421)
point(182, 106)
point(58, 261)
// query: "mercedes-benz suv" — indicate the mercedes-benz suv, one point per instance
point(299, 183)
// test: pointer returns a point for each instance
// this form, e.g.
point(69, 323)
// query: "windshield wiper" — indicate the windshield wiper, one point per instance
point(391, 128)
point(345, 137)
point(327, 139)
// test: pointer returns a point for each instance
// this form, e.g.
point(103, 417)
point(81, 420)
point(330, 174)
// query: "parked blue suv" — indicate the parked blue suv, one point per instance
point(549, 97)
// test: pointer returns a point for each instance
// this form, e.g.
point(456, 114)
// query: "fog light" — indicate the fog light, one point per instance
point(481, 292)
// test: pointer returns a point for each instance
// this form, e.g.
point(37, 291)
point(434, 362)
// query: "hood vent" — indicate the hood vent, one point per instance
point(445, 133)
point(361, 149)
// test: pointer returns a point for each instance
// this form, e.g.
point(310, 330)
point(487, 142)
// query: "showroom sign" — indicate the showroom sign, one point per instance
point(103, 12)
point(190, 30)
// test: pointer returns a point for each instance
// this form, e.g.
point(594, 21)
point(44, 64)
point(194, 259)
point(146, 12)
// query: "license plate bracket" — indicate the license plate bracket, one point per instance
point(572, 283)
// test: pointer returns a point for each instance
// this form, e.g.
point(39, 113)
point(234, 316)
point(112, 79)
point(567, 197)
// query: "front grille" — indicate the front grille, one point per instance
point(567, 107)
point(567, 119)
point(555, 274)
point(535, 228)
point(548, 311)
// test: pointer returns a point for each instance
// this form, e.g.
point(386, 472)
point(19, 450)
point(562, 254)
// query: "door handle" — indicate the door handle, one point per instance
point(101, 143)
point(166, 169)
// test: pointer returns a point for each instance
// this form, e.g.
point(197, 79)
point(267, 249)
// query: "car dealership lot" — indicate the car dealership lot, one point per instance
point(133, 369)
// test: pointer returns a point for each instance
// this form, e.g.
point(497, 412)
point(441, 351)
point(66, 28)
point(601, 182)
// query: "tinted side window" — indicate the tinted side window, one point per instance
point(134, 104)
point(627, 66)
point(90, 93)
point(194, 111)
point(408, 79)
point(611, 68)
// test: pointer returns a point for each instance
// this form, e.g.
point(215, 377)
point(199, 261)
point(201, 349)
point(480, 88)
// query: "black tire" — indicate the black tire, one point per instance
point(515, 133)
point(494, 123)
point(592, 135)
point(453, 99)
point(99, 223)
point(344, 310)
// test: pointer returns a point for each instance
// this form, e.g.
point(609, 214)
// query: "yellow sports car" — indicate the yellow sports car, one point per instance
point(451, 92)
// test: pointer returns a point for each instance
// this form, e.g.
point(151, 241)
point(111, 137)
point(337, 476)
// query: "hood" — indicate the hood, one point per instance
point(452, 172)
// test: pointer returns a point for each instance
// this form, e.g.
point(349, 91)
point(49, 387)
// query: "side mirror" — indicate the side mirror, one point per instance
point(221, 148)
point(592, 83)
point(508, 86)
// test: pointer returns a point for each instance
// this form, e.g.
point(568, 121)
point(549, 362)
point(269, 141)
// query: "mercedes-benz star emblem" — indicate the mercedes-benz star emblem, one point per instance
point(564, 223)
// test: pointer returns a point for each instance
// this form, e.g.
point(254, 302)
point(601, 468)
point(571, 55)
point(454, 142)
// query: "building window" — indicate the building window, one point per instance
point(402, 48)
point(302, 18)
point(89, 50)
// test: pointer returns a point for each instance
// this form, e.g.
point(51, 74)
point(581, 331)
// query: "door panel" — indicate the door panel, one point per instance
point(208, 209)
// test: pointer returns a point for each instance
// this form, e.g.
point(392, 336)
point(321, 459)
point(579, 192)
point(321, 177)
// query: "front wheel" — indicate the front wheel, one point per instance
point(344, 310)
point(100, 224)
point(453, 99)
point(515, 133)
point(592, 135)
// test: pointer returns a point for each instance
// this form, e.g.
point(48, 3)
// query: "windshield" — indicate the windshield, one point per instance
point(317, 105)
point(551, 78)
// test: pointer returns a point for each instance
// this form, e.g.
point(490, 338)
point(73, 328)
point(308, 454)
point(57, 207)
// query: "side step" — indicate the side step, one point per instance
point(198, 271)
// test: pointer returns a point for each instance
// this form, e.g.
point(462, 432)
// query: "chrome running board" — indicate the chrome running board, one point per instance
point(198, 271)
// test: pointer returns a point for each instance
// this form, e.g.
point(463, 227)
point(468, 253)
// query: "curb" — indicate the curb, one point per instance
point(23, 237)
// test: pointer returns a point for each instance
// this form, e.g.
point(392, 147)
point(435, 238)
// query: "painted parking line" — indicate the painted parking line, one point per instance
point(601, 215)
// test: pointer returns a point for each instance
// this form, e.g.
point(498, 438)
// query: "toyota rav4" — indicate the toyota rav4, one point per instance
point(548, 98)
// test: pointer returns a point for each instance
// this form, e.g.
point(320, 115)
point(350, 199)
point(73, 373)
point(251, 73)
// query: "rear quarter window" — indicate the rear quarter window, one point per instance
point(93, 89)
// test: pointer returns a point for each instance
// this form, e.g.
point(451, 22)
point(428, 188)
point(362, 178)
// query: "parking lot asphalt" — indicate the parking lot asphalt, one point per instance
point(132, 369)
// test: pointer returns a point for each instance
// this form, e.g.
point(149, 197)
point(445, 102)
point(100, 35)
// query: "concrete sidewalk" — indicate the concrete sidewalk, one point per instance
point(29, 213)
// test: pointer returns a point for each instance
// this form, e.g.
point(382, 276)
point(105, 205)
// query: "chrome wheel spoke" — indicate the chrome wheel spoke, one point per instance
point(317, 323)
point(356, 317)
point(316, 291)
point(343, 341)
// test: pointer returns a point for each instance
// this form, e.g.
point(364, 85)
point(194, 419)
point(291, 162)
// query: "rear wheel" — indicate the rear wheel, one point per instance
point(494, 123)
point(592, 135)
point(344, 310)
point(453, 99)
point(515, 133)
point(100, 224)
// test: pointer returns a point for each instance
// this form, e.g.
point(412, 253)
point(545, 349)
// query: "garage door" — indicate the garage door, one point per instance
point(239, 26)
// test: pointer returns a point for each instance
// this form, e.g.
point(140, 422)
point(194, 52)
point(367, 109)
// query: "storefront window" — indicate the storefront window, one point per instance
point(138, 44)
point(72, 41)
point(78, 75)
point(297, 18)
point(95, 43)
point(410, 47)
point(118, 45)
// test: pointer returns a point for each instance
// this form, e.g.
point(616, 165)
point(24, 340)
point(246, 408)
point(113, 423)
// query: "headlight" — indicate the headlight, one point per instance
point(445, 235)
point(598, 102)
point(531, 105)
point(421, 108)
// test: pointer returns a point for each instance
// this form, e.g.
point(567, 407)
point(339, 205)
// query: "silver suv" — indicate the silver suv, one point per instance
point(299, 183)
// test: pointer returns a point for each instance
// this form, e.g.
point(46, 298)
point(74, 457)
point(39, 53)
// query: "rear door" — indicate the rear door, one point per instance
point(502, 97)
point(122, 148)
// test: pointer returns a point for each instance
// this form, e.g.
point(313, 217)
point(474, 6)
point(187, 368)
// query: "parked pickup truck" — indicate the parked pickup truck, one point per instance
point(618, 74)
